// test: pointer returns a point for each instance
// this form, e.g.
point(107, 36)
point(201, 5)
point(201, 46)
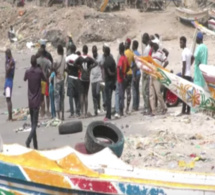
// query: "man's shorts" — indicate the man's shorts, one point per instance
point(44, 88)
point(84, 87)
point(8, 92)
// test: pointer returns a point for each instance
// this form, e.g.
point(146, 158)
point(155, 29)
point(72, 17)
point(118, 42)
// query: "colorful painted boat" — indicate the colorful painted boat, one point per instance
point(203, 29)
point(190, 15)
point(211, 24)
point(66, 171)
point(209, 76)
point(193, 95)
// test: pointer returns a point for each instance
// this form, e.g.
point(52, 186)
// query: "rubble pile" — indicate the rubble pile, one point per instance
point(33, 23)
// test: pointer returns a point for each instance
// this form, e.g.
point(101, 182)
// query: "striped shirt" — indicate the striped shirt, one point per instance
point(159, 57)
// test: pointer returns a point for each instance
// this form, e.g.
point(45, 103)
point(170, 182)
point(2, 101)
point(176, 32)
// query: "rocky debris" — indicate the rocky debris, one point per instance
point(54, 23)
point(100, 27)
point(55, 37)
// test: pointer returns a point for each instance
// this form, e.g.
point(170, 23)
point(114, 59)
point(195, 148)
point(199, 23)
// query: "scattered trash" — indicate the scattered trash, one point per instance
point(22, 12)
point(186, 120)
point(21, 114)
point(193, 156)
point(139, 146)
point(196, 137)
point(165, 149)
point(54, 123)
point(51, 123)
point(183, 164)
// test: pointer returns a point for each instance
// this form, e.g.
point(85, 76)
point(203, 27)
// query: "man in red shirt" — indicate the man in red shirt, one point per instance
point(122, 69)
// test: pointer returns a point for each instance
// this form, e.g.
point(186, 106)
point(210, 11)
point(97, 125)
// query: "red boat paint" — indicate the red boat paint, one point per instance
point(97, 186)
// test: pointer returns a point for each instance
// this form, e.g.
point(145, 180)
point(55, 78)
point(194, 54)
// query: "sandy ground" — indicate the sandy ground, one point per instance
point(161, 141)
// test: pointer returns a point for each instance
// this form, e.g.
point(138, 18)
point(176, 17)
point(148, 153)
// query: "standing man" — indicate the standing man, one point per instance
point(9, 76)
point(46, 53)
point(186, 68)
point(136, 78)
point(130, 56)
point(85, 64)
point(110, 80)
point(145, 77)
point(96, 79)
point(48, 56)
point(34, 76)
point(45, 64)
point(200, 57)
point(122, 68)
point(155, 86)
point(60, 66)
point(69, 44)
point(73, 82)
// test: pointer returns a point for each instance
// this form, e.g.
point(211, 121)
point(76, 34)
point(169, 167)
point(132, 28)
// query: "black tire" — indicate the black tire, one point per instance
point(107, 131)
point(70, 127)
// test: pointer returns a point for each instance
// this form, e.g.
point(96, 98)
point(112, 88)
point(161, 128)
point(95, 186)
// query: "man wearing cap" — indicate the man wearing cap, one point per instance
point(155, 87)
point(130, 56)
point(200, 57)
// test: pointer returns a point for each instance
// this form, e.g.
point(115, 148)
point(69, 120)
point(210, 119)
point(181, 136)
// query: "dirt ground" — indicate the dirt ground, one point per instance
point(184, 143)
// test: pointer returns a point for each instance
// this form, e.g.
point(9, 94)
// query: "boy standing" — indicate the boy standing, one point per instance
point(186, 68)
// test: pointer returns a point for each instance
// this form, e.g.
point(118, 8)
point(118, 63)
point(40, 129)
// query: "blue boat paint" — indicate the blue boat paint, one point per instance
point(129, 189)
point(11, 171)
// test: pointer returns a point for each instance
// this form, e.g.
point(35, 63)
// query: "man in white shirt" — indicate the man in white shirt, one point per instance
point(73, 82)
point(155, 87)
point(186, 68)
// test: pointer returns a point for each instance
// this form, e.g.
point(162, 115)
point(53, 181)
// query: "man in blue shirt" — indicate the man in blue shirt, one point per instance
point(135, 78)
point(9, 75)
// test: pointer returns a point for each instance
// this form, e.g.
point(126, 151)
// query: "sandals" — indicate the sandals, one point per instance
point(164, 111)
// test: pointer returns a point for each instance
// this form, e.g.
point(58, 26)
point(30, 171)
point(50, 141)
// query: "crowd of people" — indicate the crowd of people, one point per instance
point(47, 79)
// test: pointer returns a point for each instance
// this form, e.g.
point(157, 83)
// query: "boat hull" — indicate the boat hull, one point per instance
point(66, 171)
point(189, 15)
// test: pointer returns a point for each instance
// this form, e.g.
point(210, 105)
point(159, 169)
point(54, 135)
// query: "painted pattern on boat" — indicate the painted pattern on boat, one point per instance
point(65, 171)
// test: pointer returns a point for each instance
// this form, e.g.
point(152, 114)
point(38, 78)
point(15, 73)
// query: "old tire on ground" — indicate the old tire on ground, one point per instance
point(70, 127)
point(100, 135)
